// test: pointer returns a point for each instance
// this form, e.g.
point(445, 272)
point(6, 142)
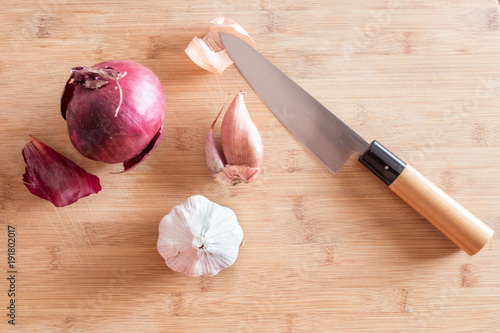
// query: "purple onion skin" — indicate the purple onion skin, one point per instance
point(102, 129)
point(53, 177)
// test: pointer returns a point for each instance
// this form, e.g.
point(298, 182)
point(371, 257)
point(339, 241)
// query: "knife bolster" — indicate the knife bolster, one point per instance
point(381, 162)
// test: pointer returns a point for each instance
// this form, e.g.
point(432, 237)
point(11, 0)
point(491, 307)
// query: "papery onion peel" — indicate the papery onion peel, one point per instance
point(53, 177)
point(209, 52)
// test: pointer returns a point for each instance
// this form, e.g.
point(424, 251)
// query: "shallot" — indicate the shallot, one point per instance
point(242, 150)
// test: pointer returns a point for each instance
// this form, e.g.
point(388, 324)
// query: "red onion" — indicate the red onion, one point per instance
point(114, 111)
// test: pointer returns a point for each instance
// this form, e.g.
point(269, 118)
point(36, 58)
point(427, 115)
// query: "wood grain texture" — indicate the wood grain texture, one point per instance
point(322, 253)
point(456, 222)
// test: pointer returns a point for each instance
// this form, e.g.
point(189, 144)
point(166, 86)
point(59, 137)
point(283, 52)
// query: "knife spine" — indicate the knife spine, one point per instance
point(381, 162)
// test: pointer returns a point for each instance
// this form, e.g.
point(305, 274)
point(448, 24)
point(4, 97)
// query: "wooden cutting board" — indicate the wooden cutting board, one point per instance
point(322, 253)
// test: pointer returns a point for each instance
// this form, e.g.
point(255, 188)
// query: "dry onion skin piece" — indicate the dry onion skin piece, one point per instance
point(53, 177)
point(209, 52)
point(199, 237)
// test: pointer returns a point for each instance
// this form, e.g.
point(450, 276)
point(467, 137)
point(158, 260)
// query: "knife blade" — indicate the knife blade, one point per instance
point(333, 143)
point(319, 130)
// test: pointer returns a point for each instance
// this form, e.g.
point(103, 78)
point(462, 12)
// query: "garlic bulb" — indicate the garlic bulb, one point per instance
point(209, 52)
point(242, 149)
point(199, 237)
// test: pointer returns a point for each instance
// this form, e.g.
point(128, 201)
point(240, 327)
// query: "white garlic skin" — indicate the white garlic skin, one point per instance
point(199, 237)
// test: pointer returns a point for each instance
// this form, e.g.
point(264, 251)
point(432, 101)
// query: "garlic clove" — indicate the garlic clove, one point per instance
point(235, 174)
point(241, 140)
point(199, 237)
point(53, 177)
point(209, 53)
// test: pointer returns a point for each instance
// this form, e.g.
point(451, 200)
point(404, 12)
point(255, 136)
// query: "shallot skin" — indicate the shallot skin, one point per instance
point(208, 52)
point(120, 121)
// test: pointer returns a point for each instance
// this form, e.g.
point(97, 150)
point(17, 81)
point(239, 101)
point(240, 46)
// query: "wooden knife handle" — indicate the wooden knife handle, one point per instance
point(451, 218)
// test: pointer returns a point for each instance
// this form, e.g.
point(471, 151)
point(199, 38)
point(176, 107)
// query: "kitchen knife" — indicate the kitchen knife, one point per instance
point(333, 143)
